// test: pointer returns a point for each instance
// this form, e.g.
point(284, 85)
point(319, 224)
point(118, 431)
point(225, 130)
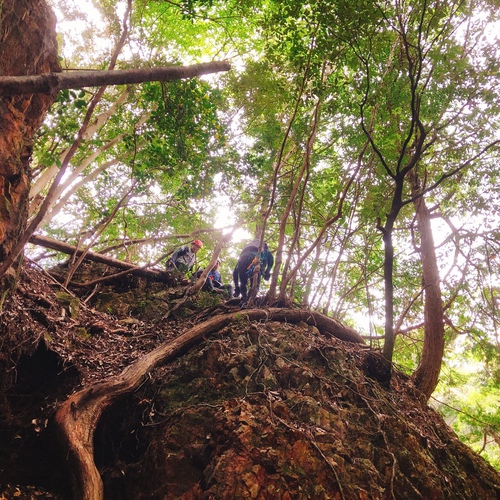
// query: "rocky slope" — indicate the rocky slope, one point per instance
point(259, 409)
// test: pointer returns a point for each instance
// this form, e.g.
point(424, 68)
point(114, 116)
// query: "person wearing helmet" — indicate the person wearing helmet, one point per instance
point(184, 257)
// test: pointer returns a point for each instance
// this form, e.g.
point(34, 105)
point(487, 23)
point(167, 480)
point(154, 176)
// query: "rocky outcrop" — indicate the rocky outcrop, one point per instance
point(265, 404)
point(277, 411)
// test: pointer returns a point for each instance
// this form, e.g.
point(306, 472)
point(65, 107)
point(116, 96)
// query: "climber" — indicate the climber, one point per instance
point(245, 266)
point(184, 257)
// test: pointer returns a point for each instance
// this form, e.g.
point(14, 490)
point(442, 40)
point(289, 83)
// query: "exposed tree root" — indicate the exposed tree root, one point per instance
point(78, 416)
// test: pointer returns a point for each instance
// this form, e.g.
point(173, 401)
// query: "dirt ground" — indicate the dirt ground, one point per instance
point(260, 409)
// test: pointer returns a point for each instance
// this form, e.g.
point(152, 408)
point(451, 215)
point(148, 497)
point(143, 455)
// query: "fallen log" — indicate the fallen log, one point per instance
point(59, 246)
point(77, 418)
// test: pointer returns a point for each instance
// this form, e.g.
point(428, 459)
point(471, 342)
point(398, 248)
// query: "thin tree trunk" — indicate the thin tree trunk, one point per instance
point(389, 339)
point(426, 375)
point(49, 173)
point(386, 230)
point(279, 251)
point(306, 302)
point(302, 176)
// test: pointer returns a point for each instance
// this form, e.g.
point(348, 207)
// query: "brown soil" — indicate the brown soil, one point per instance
point(259, 409)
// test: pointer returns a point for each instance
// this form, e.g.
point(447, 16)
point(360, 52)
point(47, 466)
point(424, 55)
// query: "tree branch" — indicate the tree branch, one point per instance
point(95, 257)
point(54, 82)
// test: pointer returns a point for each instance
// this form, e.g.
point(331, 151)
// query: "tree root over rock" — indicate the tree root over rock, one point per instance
point(78, 416)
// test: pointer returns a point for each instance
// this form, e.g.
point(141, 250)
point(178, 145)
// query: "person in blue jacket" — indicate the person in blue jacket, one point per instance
point(214, 283)
point(247, 261)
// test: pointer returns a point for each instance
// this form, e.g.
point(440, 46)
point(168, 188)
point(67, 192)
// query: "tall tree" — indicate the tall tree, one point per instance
point(28, 47)
point(426, 375)
point(414, 70)
point(422, 111)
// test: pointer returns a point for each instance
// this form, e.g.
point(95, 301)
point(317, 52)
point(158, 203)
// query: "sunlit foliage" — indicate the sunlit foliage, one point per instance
point(305, 136)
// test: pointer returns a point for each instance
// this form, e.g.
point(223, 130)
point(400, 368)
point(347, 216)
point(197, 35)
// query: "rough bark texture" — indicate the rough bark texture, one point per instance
point(27, 46)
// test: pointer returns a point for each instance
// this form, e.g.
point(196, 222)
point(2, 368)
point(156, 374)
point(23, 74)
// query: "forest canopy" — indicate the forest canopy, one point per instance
point(359, 139)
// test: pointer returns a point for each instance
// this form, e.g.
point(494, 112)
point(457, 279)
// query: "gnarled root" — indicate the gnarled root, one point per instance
point(79, 415)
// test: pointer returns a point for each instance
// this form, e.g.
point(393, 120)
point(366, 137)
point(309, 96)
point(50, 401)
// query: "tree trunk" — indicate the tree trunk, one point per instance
point(389, 338)
point(426, 375)
point(28, 47)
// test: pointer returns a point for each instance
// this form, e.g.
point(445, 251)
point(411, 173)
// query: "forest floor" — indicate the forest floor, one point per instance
point(58, 345)
point(257, 410)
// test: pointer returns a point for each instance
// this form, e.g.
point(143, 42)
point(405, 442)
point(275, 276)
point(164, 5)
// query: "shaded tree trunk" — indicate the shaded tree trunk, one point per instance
point(426, 375)
point(387, 229)
point(389, 338)
point(27, 47)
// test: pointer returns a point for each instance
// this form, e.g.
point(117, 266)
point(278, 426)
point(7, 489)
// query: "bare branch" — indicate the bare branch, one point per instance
point(54, 82)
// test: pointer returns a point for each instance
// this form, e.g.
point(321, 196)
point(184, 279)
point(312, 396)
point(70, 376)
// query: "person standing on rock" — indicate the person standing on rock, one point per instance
point(251, 257)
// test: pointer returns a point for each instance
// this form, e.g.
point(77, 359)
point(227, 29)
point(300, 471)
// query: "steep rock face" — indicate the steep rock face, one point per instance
point(27, 47)
point(259, 409)
point(270, 410)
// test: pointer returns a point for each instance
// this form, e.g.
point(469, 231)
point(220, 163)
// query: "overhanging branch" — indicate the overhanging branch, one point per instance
point(60, 246)
point(49, 83)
